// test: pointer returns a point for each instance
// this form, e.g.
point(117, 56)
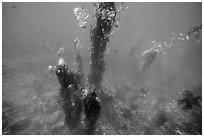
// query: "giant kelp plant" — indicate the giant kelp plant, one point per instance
point(100, 35)
point(72, 82)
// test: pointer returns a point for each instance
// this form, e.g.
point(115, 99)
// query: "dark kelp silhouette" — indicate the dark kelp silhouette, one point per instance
point(74, 99)
point(92, 109)
point(72, 82)
point(100, 35)
point(70, 93)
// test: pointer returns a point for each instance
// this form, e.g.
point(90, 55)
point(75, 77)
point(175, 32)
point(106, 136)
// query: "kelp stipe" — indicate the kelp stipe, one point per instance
point(70, 93)
point(100, 35)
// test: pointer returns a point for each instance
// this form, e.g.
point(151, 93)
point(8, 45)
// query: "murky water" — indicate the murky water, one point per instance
point(141, 87)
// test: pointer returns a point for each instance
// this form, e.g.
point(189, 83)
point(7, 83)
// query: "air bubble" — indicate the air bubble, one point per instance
point(61, 62)
point(50, 69)
point(81, 16)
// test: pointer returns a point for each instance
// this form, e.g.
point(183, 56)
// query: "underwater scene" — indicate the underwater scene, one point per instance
point(103, 68)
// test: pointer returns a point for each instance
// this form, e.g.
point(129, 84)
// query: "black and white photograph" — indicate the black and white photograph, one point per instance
point(101, 68)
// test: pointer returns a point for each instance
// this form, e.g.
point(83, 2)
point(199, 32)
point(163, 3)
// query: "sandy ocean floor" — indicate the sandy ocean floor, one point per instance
point(133, 100)
point(32, 105)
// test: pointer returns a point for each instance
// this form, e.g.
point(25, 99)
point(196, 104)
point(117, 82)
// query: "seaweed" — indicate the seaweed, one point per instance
point(100, 36)
point(70, 92)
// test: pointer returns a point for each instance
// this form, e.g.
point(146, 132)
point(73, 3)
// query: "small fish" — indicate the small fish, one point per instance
point(13, 6)
point(83, 27)
point(116, 25)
